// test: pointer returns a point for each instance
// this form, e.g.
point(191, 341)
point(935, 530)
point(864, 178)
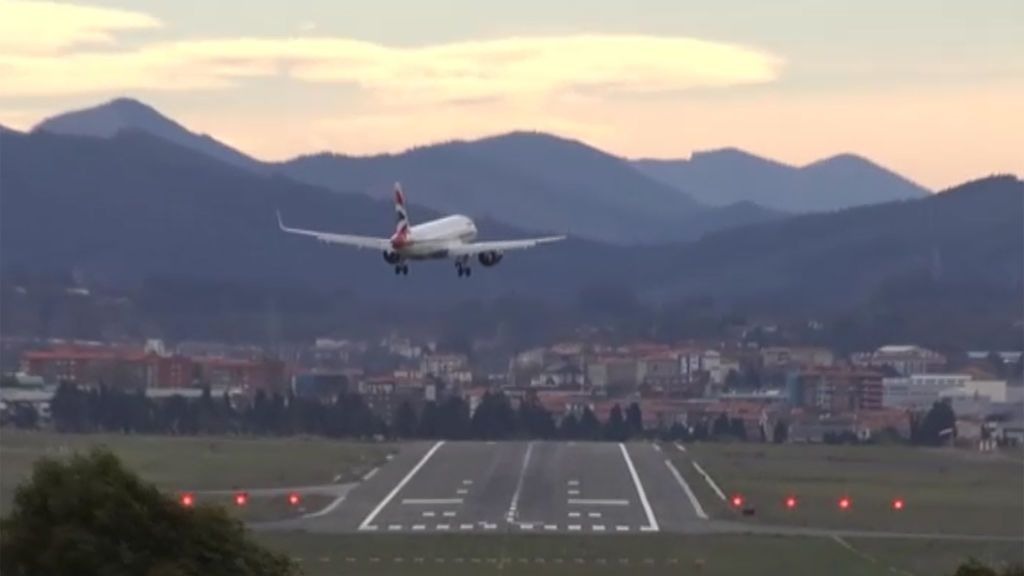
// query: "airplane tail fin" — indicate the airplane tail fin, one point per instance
point(402, 216)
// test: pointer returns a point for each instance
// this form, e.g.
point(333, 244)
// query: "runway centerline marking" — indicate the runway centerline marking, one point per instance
point(431, 501)
point(652, 522)
point(598, 502)
point(513, 506)
point(370, 474)
point(400, 485)
point(686, 488)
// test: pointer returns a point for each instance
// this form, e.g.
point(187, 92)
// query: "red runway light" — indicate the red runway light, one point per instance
point(737, 501)
point(241, 499)
point(844, 503)
point(897, 504)
point(186, 500)
point(791, 502)
point(293, 499)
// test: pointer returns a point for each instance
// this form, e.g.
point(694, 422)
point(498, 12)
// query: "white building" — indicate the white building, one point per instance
point(905, 359)
point(920, 391)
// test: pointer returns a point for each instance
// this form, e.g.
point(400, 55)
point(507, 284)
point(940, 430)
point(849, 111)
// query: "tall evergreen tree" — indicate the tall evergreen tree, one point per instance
point(634, 420)
point(615, 428)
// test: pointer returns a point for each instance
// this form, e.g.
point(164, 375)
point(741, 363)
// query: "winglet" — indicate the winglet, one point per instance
point(280, 221)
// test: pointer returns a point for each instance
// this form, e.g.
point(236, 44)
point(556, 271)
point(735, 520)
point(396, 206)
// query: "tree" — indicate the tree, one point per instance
point(25, 416)
point(493, 418)
point(90, 515)
point(939, 424)
point(720, 427)
point(780, 433)
point(405, 420)
point(737, 429)
point(634, 420)
point(569, 427)
point(589, 428)
point(615, 428)
point(732, 380)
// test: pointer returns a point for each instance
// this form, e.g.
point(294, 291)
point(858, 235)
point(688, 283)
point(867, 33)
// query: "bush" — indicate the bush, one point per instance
point(90, 515)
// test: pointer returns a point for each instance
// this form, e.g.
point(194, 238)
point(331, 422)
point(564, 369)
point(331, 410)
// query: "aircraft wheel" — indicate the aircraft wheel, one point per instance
point(469, 271)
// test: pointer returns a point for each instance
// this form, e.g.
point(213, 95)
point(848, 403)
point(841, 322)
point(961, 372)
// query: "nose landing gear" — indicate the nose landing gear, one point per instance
point(462, 266)
point(402, 269)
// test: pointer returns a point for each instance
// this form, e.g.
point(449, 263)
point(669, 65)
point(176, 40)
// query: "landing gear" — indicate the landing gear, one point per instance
point(402, 269)
point(462, 266)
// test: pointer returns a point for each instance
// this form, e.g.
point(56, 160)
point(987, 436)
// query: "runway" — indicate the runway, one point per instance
point(522, 487)
point(538, 487)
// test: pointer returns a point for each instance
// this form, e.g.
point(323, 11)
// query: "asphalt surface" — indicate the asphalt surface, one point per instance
point(525, 487)
point(534, 488)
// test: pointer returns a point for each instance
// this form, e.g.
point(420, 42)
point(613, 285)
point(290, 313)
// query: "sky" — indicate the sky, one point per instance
point(930, 88)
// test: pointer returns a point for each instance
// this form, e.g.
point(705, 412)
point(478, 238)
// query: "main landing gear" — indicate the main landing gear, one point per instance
point(402, 269)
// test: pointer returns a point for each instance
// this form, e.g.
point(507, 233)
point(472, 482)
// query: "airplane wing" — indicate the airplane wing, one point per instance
point(500, 246)
point(344, 239)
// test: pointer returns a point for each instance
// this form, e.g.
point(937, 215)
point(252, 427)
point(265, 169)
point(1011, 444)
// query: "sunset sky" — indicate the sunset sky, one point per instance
point(930, 88)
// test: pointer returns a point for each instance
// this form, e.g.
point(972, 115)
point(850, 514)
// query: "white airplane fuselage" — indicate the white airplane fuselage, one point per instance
point(432, 240)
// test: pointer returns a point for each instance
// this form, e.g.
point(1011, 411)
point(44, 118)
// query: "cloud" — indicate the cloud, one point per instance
point(45, 28)
point(479, 70)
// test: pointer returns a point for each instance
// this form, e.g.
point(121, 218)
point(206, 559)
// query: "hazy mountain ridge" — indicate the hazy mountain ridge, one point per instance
point(134, 206)
point(729, 175)
point(549, 182)
point(527, 180)
point(108, 119)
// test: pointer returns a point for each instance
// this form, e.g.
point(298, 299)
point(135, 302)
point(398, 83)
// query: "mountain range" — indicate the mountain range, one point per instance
point(544, 183)
point(721, 177)
point(132, 206)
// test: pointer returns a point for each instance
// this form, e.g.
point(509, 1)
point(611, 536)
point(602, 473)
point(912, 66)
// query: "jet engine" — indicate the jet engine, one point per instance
point(391, 257)
point(490, 258)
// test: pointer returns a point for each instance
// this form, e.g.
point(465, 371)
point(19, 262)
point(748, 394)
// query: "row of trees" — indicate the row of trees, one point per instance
point(348, 415)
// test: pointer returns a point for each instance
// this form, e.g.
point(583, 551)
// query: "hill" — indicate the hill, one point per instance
point(966, 238)
point(130, 208)
point(730, 175)
point(527, 180)
point(110, 118)
point(133, 206)
point(531, 180)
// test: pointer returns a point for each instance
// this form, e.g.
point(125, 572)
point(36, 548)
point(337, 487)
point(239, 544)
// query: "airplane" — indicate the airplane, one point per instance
point(448, 237)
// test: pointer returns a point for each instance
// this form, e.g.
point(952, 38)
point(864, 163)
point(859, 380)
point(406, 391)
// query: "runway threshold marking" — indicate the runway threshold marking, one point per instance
point(401, 484)
point(651, 521)
point(709, 480)
point(598, 502)
point(686, 488)
point(513, 506)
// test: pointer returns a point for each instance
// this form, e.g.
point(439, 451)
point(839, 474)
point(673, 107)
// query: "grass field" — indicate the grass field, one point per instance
point(944, 490)
point(656, 554)
point(199, 463)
